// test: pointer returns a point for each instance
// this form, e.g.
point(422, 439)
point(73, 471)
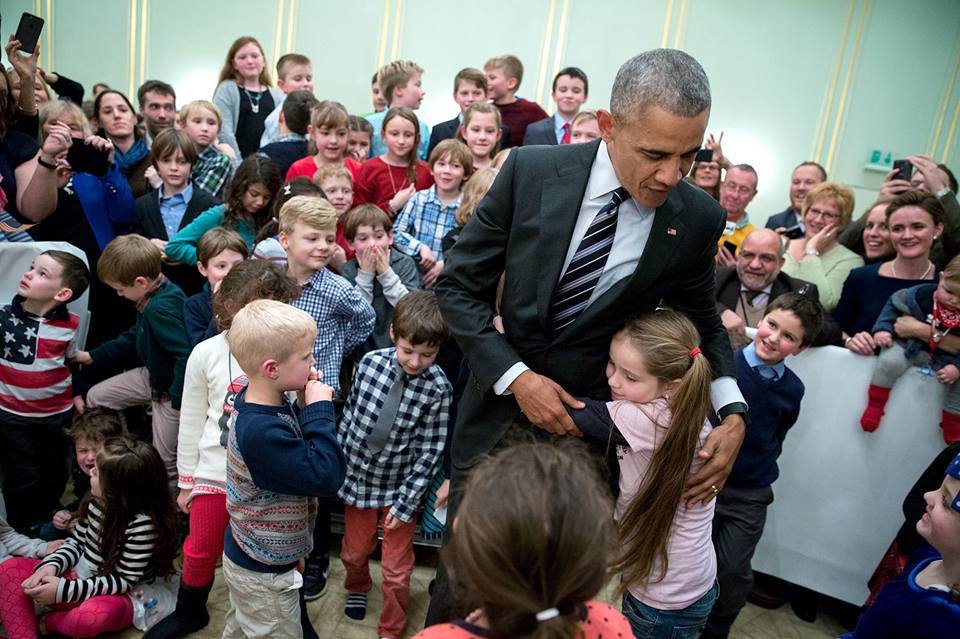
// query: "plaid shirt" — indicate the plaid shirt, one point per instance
point(344, 319)
point(211, 171)
point(424, 220)
point(399, 474)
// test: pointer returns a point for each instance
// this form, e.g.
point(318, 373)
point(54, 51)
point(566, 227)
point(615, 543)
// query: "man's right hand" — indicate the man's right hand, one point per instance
point(732, 322)
point(542, 400)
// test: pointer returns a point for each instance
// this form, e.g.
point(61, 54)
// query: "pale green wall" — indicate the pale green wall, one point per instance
point(814, 79)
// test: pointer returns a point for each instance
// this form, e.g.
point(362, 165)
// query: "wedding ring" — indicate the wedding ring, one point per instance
point(714, 489)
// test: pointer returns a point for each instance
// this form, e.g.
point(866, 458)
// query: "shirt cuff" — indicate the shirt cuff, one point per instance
point(502, 385)
point(725, 395)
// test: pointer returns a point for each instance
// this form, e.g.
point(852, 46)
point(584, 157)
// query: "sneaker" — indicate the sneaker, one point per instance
point(356, 607)
point(315, 574)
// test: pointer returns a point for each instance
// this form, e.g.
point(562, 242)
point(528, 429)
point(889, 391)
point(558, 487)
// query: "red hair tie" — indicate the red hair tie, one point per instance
point(694, 352)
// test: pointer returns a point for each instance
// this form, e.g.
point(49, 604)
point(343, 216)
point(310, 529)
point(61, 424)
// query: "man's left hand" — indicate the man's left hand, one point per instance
point(719, 451)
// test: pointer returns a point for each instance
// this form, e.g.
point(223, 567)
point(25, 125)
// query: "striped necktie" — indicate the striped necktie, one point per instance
point(577, 284)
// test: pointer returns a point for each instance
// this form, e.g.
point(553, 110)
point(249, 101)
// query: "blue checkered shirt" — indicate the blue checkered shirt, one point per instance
point(398, 475)
point(211, 171)
point(344, 320)
point(424, 220)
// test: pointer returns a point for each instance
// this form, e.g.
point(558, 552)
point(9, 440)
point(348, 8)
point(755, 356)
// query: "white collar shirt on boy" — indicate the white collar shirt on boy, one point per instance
point(767, 371)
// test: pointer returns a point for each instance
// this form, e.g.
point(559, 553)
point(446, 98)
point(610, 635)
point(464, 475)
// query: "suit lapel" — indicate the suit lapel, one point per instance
point(560, 199)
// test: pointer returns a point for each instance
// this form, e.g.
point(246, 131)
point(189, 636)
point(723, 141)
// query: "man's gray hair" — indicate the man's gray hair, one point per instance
point(667, 78)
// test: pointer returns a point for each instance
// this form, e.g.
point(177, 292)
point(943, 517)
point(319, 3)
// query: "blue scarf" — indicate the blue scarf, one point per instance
point(126, 161)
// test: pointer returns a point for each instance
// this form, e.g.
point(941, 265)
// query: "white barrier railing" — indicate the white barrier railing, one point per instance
point(838, 500)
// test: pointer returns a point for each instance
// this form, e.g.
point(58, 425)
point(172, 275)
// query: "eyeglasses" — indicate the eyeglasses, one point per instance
point(742, 190)
point(828, 216)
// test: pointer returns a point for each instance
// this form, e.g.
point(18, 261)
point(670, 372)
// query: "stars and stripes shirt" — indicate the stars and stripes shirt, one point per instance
point(211, 171)
point(81, 552)
point(344, 320)
point(424, 220)
point(34, 378)
point(398, 475)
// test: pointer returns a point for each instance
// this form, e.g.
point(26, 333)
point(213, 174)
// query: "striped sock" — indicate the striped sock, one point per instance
point(356, 607)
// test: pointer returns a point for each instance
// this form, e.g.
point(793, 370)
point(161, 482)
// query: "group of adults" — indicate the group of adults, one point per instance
point(906, 236)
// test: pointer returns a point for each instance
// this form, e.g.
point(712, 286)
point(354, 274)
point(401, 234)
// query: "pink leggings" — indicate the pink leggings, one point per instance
point(204, 545)
point(106, 613)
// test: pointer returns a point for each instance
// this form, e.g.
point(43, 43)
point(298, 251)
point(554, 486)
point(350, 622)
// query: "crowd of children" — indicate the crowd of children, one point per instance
point(290, 357)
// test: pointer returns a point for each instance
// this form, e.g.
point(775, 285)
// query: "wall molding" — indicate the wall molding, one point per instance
point(824, 120)
point(545, 49)
point(843, 104)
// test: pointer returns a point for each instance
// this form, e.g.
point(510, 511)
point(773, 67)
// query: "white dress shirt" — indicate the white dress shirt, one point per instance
point(634, 223)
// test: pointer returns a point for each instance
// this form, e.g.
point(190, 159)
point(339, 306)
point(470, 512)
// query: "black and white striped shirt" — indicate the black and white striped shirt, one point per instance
point(82, 553)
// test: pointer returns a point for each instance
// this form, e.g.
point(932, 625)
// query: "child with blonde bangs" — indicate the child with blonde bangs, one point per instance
point(201, 121)
point(329, 131)
point(660, 390)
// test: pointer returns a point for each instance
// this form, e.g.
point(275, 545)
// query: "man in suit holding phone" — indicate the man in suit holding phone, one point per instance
point(654, 238)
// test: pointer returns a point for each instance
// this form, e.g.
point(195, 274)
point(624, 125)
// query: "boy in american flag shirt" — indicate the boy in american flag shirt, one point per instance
point(37, 334)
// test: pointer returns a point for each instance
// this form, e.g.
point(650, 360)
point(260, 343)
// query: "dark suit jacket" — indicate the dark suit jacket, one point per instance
point(786, 219)
point(728, 294)
point(443, 131)
point(148, 222)
point(523, 228)
point(541, 132)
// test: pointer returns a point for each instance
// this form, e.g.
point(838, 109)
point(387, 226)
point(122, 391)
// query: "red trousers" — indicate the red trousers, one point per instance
point(359, 541)
point(204, 545)
point(106, 613)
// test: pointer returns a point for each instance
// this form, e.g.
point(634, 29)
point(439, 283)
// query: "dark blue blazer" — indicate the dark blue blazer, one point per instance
point(540, 132)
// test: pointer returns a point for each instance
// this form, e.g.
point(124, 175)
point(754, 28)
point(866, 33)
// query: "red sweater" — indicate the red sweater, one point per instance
point(517, 116)
point(378, 182)
point(307, 167)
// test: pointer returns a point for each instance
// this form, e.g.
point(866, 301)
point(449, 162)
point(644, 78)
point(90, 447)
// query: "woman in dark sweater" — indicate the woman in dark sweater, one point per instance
point(914, 221)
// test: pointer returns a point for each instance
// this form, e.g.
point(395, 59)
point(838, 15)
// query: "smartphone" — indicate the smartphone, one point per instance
point(730, 246)
point(704, 155)
point(28, 32)
point(794, 232)
point(904, 169)
point(84, 158)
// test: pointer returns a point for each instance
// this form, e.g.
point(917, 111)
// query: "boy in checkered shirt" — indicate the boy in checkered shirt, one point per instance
point(393, 431)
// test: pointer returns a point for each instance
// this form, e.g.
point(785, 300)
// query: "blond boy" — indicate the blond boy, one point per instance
point(401, 84)
point(201, 121)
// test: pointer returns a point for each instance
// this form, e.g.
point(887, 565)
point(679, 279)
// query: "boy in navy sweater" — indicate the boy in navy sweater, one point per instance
point(280, 458)
point(773, 392)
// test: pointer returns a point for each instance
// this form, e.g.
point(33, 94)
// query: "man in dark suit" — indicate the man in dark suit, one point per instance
point(806, 176)
point(569, 93)
point(532, 224)
point(745, 290)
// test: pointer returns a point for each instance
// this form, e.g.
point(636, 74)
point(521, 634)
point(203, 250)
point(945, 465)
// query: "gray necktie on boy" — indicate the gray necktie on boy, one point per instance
point(377, 438)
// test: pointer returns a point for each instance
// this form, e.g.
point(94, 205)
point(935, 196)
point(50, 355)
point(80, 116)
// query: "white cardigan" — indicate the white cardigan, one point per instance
point(212, 380)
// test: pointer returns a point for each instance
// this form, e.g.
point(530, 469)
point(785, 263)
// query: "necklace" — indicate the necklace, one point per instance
point(893, 270)
point(393, 184)
point(254, 103)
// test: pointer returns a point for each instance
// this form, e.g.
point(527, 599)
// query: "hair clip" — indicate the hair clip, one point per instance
point(287, 190)
point(548, 614)
point(953, 470)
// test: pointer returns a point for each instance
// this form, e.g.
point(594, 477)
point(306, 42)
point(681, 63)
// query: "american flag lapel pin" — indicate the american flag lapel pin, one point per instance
point(671, 231)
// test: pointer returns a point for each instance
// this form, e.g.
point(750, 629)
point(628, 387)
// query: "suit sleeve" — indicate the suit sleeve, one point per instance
point(467, 287)
point(694, 295)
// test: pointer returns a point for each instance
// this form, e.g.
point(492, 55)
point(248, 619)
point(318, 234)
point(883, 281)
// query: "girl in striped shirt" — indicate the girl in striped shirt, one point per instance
point(126, 535)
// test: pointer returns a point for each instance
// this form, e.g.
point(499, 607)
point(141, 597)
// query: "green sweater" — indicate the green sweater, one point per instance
point(158, 340)
point(182, 247)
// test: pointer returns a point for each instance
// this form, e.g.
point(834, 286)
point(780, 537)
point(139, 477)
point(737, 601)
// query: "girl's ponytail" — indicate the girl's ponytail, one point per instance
point(669, 343)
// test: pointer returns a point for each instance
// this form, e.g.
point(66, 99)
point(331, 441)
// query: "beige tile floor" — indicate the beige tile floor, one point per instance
point(330, 623)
